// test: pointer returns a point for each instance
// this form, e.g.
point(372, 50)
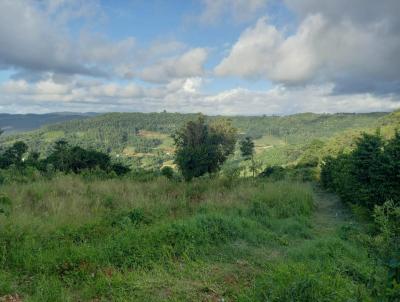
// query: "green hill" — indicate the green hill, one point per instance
point(13, 123)
point(143, 139)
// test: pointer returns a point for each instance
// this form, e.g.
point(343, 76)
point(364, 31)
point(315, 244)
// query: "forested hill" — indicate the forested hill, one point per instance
point(145, 137)
point(12, 123)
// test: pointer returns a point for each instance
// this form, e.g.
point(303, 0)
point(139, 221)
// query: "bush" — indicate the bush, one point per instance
point(387, 243)
point(5, 205)
point(369, 175)
point(274, 172)
point(168, 172)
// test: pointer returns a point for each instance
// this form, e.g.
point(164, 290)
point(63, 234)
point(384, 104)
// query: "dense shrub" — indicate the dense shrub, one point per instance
point(386, 245)
point(168, 172)
point(64, 158)
point(367, 176)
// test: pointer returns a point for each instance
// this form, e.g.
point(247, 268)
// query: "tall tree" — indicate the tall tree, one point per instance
point(247, 150)
point(202, 148)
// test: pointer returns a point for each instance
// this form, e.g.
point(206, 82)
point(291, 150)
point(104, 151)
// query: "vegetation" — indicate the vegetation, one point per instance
point(122, 239)
point(367, 176)
point(76, 224)
point(203, 148)
point(144, 140)
point(64, 158)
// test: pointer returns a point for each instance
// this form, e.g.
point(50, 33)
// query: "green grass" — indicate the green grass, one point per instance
point(71, 239)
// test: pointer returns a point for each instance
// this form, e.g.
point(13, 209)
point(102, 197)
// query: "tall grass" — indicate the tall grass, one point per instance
point(70, 239)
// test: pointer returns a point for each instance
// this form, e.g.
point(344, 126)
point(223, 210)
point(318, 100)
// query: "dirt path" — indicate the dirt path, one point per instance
point(330, 212)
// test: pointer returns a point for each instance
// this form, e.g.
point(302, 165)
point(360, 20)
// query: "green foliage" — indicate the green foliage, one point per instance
point(202, 148)
point(247, 148)
point(168, 172)
point(274, 172)
point(280, 140)
point(13, 155)
point(368, 176)
point(386, 243)
point(5, 205)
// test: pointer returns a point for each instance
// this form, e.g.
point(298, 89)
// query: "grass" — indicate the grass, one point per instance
point(73, 239)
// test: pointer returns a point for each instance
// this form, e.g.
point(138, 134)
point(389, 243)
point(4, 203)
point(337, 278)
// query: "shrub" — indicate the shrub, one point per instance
point(387, 242)
point(5, 205)
point(369, 175)
point(168, 172)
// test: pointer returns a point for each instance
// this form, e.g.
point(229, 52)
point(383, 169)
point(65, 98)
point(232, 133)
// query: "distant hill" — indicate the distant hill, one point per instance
point(13, 123)
point(144, 139)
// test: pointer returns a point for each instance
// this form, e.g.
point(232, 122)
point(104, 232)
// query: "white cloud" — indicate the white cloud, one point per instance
point(38, 42)
point(37, 39)
point(239, 10)
point(182, 95)
point(30, 40)
point(356, 53)
point(263, 51)
point(189, 64)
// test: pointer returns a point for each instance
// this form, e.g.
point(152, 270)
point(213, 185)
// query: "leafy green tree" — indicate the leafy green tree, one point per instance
point(77, 159)
point(202, 148)
point(247, 150)
point(391, 164)
point(367, 176)
point(367, 170)
point(13, 155)
point(59, 158)
point(33, 160)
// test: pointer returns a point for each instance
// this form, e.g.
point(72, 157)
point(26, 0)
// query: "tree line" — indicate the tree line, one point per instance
point(64, 158)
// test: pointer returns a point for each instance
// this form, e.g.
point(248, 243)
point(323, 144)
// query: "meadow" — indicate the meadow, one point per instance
point(80, 238)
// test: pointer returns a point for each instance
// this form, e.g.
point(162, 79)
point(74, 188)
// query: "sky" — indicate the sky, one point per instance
point(229, 57)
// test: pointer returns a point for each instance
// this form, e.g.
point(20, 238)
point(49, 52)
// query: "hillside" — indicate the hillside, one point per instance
point(144, 139)
point(70, 239)
point(91, 234)
point(12, 123)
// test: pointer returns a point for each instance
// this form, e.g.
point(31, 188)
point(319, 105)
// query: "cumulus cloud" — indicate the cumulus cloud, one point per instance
point(239, 10)
point(189, 64)
point(341, 56)
point(289, 100)
point(38, 42)
point(34, 42)
point(181, 95)
point(356, 49)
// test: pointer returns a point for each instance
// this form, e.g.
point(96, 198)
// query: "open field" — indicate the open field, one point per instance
point(73, 239)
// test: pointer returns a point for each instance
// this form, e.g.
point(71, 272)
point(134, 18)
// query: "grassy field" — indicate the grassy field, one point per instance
point(74, 239)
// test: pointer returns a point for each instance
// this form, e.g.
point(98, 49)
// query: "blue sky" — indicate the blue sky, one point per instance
point(215, 56)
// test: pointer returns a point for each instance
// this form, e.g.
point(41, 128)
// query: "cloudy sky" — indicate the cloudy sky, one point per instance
point(212, 56)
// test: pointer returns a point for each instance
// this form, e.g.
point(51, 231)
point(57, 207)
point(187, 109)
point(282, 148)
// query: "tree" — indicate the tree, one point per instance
point(13, 155)
point(391, 164)
point(367, 169)
point(247, 150)
point(202, 148)
point(59, 157)
point(369, 175)
point(77, 159)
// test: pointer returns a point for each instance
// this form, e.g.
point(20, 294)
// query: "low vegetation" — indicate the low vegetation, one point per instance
point(78, 225)
point(69, 239)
